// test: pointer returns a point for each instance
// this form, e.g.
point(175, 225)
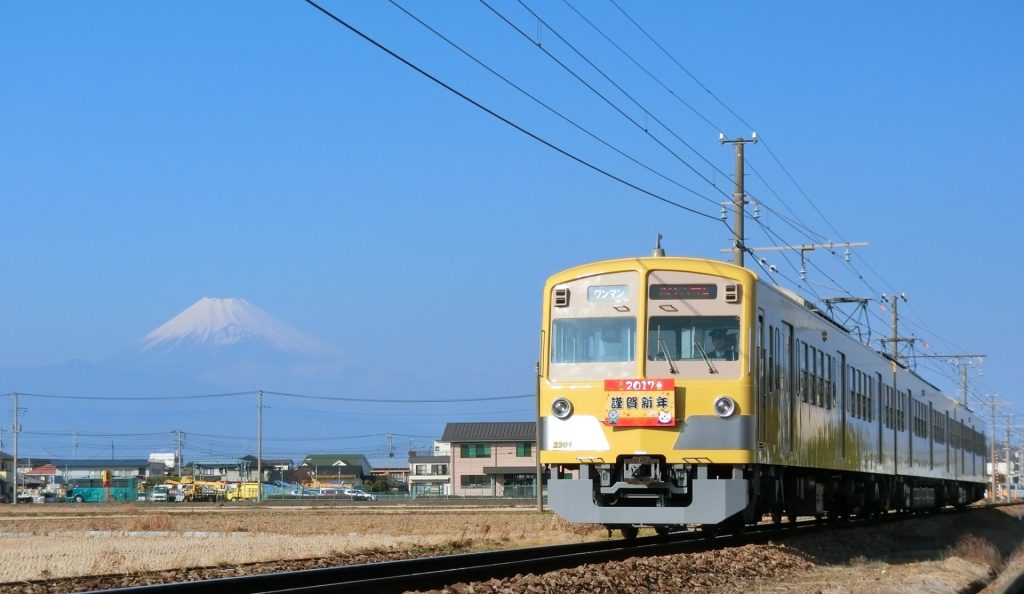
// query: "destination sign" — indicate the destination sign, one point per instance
point(691, 291)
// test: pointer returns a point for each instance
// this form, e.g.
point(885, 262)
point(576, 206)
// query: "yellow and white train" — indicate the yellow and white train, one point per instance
point(689, 391)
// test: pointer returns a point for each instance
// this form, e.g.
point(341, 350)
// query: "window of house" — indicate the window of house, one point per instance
point(524, 449)
point(475, 481)
point(476, 450)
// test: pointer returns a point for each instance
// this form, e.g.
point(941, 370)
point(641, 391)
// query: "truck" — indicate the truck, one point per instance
point(243, 492)
point(80, 490)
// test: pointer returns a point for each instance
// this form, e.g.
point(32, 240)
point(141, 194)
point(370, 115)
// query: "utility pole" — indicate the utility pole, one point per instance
point(895, 339)
point(959, 361)
point(259, 448)
point(992, 404)
point(15, 429)
point(74, 445)
point(738, 197)
point(181, 438)
point(111, 449)
point(1006, 450)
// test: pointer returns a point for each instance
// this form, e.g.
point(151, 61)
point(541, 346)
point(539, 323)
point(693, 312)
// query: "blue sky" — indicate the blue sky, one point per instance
point(154, 154)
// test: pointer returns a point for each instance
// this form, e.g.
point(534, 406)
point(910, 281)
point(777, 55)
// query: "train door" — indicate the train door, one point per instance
point(787, 404)
point(762, 383)
point(842, 404)
point(931, 435)
point(949, 440)
point(877, 389)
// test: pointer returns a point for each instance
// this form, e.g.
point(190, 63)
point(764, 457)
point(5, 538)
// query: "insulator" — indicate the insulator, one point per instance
point(846, 255)
point(723, 215)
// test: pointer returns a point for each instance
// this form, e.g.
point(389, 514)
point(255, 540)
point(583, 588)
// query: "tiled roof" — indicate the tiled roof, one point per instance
point(44, 470)
point(490, 432)
point(354, 462)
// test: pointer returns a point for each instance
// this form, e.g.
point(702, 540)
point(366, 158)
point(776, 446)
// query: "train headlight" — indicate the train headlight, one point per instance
point(561, 408)
point(725, 406)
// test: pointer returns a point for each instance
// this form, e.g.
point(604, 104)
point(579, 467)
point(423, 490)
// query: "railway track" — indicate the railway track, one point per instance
point(436, 572)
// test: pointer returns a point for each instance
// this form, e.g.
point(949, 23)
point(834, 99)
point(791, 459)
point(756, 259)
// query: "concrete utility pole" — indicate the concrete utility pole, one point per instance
point(895, 339)
point(15, 429)
point(739, 196)
point(1006, 449)
point(992, 404)
point(958, 360)
point(259, 449)
point(181, 438)
point(538, 479)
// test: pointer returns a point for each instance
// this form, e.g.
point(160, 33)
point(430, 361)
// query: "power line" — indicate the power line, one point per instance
point(185, 397)
point(547, 106)
point(647, 111)
point(502, 118)
point(641, 67)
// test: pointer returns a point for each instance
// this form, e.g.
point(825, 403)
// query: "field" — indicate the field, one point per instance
point(61, 548)
point(57, 541)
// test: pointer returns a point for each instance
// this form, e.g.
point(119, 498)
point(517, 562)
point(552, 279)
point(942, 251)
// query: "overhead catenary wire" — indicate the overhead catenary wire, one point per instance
point(549, 107)
point(611, 103)
point(505, 120)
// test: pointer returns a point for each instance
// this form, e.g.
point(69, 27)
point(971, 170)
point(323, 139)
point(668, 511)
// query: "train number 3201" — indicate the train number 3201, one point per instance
point(561, 445)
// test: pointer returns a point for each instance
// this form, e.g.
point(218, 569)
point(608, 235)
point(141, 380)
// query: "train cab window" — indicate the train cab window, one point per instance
point(593, 340)
point(699, 343)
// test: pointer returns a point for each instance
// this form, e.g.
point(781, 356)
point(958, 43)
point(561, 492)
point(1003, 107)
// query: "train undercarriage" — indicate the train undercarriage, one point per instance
point(646, 491)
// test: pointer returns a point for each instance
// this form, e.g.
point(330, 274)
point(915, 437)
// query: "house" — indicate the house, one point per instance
point(72, 469)
point(428, 475)
point(232, 470)
point(395, 477)
point(349, 469)
point(492, 459)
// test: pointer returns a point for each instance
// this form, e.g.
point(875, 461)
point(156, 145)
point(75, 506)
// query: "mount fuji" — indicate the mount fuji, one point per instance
point(216, 324)
point(233, 344)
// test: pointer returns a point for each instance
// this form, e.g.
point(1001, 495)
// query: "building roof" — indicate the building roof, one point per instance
point(490, 432)
point(44, 470)
point(343, 463)
point(429, 459)
point(101, 464)
point(223, 463)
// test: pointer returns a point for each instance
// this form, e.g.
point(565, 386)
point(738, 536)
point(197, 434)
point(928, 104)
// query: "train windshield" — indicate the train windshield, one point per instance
point(693, 338)
point(593, 340)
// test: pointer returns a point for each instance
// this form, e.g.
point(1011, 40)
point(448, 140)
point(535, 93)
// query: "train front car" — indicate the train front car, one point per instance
point(646, 390)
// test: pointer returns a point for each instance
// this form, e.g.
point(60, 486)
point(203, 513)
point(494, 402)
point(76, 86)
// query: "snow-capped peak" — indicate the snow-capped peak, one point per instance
point(222, 322)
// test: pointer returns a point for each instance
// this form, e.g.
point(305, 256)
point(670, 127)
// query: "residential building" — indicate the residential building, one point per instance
point(71, 469)
point(348, 469)
point(429, 476)
point(231, 470)
point(396, 477)
point(492, 459)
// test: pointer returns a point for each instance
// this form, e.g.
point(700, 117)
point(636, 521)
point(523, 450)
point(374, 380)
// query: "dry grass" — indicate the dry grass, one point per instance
point(124, 540)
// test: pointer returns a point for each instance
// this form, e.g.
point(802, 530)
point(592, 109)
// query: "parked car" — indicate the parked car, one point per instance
point(359, 495)
point(161, 493)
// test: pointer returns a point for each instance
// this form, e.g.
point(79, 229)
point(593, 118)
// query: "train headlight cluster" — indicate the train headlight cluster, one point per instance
point(725, 406)
point(561, 408)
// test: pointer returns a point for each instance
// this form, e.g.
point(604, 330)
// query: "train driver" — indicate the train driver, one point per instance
point(723, 345)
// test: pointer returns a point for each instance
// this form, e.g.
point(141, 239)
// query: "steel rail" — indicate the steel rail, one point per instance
point(427, 573)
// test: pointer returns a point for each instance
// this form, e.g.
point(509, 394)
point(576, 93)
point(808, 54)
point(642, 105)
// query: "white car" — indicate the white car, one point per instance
point(161, 493)
point(359, 495)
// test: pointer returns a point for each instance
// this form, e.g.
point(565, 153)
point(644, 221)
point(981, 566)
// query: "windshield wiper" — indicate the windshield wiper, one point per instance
point(704, 355)
point(664, 350)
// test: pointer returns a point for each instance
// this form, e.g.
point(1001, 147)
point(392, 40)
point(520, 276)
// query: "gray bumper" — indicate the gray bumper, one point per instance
point(714, 500)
